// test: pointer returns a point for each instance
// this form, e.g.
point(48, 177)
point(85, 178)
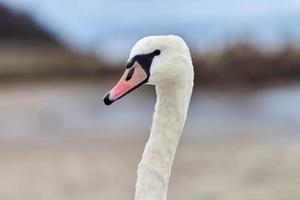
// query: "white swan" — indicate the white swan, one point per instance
point(163, 61)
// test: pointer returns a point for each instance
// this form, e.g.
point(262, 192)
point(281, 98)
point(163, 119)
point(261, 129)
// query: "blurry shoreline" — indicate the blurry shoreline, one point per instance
point(241, 64)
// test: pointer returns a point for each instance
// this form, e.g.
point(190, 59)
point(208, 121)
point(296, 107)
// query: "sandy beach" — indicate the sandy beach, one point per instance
point(244, 168)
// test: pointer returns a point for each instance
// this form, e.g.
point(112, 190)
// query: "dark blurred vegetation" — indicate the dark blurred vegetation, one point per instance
point(20, 26)
point(27, 51)
point(243, 63)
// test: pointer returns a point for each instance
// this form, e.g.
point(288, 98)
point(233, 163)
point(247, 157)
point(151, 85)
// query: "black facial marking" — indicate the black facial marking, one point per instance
point(130, 63)
point(130, 74)
point(144, 60)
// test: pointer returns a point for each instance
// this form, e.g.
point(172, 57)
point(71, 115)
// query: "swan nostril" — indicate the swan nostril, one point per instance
point(130, 74)
point(107, 100)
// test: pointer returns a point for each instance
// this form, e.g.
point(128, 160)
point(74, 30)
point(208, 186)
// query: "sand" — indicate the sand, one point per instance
point(220, 168)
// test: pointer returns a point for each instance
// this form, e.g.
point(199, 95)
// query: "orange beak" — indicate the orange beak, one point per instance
point(132, 78)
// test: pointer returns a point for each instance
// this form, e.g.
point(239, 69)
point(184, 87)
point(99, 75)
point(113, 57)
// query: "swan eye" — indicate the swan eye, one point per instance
point(156, 52)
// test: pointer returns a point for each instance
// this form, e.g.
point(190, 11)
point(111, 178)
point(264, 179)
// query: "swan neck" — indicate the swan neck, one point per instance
point(168, 121)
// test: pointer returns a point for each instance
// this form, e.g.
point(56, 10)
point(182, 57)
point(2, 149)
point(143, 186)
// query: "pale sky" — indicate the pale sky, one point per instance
point(93, 25)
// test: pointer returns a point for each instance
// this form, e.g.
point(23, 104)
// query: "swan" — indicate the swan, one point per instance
point(163, 61)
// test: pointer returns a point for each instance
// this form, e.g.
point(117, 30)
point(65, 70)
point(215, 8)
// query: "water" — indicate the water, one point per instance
point(75, 108)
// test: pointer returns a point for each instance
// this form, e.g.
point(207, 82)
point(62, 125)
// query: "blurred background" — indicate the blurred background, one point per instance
point(59, 141)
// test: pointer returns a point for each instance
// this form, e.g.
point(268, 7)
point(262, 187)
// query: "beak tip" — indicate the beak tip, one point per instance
point(107, 100)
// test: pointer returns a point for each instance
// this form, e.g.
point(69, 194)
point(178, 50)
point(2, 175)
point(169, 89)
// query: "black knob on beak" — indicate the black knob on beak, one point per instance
point(107, 100)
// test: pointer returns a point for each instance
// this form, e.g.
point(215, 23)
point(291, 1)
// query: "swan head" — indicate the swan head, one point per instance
point(156, 60)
